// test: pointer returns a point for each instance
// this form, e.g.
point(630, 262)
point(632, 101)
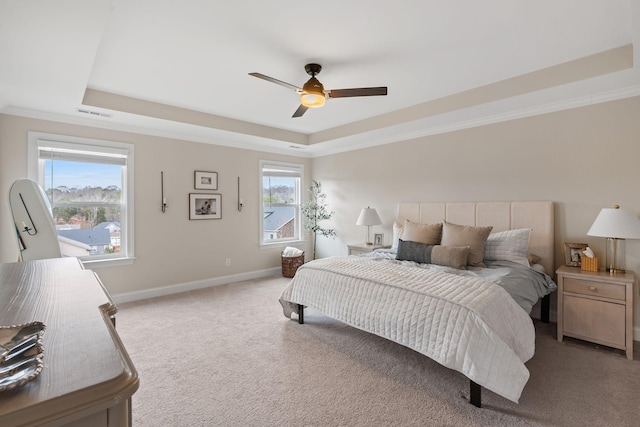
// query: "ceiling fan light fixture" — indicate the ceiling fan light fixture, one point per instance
point(312, 94)
point(312, 100)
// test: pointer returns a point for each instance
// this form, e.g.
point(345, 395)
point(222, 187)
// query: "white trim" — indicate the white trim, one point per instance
point(97, 145)
point(402, 132)
point(107, 262)
point(293, 168)
point(192, 286)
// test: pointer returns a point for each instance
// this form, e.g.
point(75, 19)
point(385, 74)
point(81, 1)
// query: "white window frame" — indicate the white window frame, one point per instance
point(35, 171)
point(293, 168)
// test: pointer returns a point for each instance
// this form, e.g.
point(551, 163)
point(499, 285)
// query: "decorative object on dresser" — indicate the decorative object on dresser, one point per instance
point(378, 239)
point(615, 224)
point(31, 210)
point(596, 307)
point(368, 217)
point(590, 261)
point(573, 254)
point(314, 211)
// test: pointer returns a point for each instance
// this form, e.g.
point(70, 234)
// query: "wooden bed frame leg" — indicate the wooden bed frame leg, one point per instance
point(475, 394)
point(300, 314)
point(545, 308)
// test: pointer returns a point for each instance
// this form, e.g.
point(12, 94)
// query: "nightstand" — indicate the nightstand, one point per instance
point(596, 307)
point(363, 249)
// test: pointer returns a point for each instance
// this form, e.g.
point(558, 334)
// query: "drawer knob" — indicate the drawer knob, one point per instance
point(592, 288)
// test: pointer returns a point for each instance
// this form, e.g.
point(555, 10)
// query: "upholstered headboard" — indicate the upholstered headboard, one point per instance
point(536, 215)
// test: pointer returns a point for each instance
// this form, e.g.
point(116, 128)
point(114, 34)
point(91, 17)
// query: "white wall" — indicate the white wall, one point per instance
point(582, 159)
point(170, 249)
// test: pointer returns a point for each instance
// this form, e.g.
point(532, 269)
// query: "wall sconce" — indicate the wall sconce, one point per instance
point(615, 224)
point(163, 205)
point(240, 205)
point(368, 216)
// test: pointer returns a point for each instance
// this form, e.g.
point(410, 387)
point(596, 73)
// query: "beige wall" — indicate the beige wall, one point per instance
point(582, 159)
point(169, 248)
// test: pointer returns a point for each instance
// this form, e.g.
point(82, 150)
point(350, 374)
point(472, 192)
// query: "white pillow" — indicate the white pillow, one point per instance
point(398, 230)
point(510, 245)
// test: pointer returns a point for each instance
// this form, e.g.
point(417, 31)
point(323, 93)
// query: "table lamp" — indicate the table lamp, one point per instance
point(368, 216)
point(615, 224)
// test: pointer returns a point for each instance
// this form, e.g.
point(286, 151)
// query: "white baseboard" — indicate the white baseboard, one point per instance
point(192, 286)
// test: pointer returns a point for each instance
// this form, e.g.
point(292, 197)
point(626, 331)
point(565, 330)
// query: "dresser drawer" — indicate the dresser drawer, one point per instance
point(596, 289)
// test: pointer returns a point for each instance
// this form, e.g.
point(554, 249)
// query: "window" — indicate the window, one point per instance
point(89, 185)
point(281, 195)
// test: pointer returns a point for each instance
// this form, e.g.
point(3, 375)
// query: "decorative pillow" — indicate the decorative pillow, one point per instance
point(397, 234)
point(466, 235)
point(429, 234)
point(449, 256)
point(510, 245)
point(532, 258)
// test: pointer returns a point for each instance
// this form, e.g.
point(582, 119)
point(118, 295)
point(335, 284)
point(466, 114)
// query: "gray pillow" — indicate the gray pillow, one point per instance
point(449, 256)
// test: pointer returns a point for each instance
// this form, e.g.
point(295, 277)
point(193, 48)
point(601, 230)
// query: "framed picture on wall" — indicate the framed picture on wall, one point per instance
point(205, 180)
point(205, 206)
point(573, 254)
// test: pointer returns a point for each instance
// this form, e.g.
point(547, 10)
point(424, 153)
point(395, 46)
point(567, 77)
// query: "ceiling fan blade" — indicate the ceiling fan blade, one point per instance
point(276, 81)
point(362, 91)
point(300, 111)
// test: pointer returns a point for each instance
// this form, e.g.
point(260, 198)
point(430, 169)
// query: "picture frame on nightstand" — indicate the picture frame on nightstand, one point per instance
point(378, 239)
point(573, 254)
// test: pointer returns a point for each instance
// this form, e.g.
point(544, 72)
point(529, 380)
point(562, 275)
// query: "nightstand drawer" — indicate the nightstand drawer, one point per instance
point(588, 287)
point(597, 321)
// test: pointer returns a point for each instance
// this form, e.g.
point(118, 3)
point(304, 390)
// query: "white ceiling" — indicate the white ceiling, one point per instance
point(180, 69)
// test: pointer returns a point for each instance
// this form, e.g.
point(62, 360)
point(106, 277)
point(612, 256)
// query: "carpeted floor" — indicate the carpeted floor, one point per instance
point(226, 356)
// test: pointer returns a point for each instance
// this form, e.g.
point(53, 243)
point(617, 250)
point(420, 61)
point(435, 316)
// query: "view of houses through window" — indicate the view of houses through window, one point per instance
point(280, 202)
point(86, 185)
point(86, 211)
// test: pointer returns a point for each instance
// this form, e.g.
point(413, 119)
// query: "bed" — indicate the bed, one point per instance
point(418, 294)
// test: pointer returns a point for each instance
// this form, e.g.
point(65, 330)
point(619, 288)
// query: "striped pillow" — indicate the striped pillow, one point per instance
point(510, 245)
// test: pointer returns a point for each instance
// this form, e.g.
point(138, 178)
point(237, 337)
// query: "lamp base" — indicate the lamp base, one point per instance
point(615, 256)
point(368, 243)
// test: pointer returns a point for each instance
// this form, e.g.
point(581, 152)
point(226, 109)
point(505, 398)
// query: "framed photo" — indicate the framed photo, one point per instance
point(378, 239)
point(205, 180)
point(205, 206)
point(573, 254)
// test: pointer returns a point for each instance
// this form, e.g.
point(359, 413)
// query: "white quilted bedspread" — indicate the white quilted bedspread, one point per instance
point(463, 323)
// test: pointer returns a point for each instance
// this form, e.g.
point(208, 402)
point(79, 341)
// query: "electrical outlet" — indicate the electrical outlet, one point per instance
point(227, 262)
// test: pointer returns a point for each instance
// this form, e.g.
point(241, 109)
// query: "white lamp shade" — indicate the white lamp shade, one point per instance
point(616, 223)
point(368, 216)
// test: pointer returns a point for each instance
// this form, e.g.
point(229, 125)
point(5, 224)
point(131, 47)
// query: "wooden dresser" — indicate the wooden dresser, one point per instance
point(596, 307)
point(88, 378)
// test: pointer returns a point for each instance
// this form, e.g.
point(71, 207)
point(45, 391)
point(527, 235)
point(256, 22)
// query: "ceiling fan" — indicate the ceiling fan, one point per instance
point(313, 94)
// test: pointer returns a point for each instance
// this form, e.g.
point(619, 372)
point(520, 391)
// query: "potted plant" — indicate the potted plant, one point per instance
point(314, 211)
